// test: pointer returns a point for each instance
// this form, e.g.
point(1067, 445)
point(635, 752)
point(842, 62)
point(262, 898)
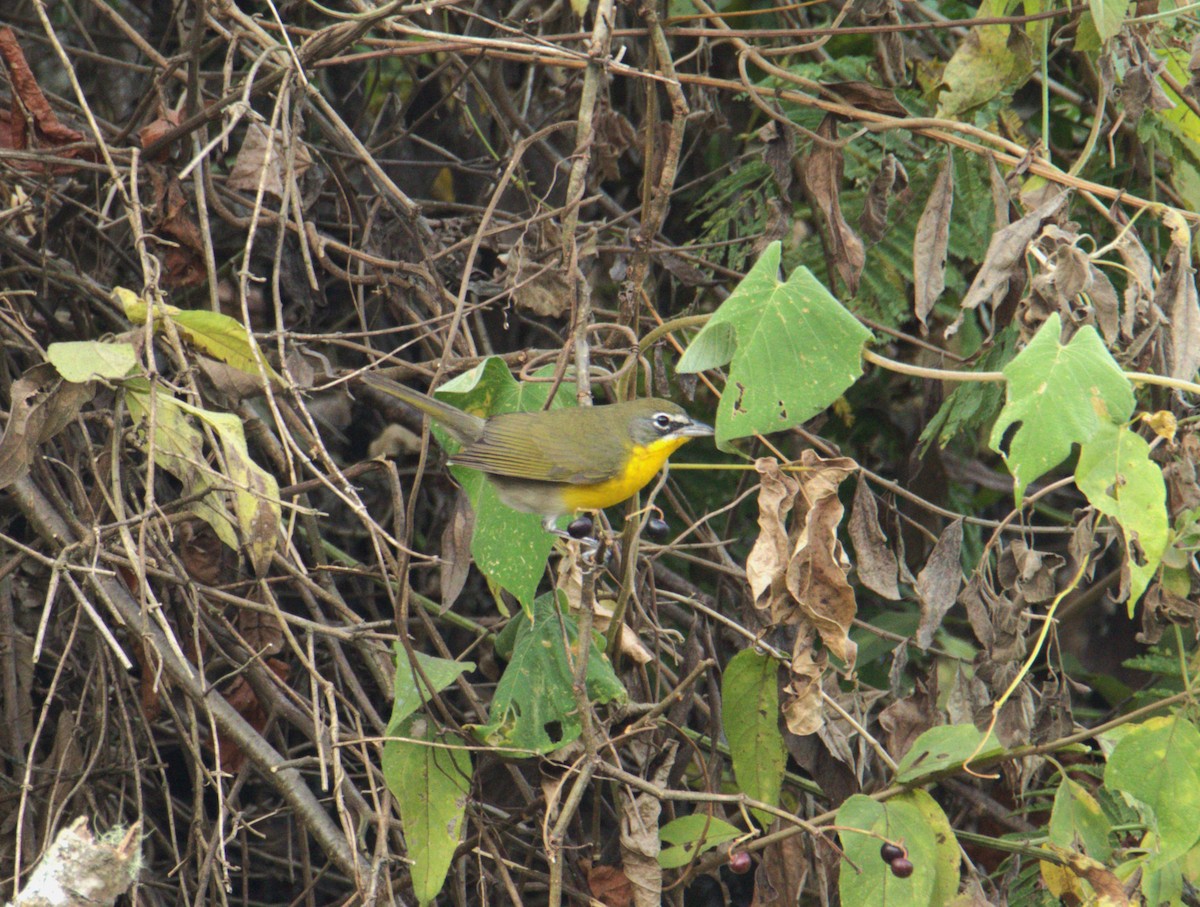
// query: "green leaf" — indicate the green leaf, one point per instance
point(946, 857)
point(692, 835)
point(992, 60)
point(213, 333)
point(533, 710)
point(794, 348)
point(750, 716)
point(1108, 16)
point(508, 546)
point(178, 447)
point(439, 672)
point(86, 360)
point(863, 877)
point(1077, 822)
point(432, 785)
point(1155, 762)
point(1060, 395)
point(255, 491)
point(943, 749)
point(1120, 480)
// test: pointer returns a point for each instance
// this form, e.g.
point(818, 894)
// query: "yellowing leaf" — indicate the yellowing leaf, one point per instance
point(217, 335)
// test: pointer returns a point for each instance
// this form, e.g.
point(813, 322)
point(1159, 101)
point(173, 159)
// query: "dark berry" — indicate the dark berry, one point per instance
point(581, 528)
point(890, 851)
point(740, 862)
point(902, 867)
point(657, 529)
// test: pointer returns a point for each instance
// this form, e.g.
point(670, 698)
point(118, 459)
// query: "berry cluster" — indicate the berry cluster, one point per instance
point(897, 858)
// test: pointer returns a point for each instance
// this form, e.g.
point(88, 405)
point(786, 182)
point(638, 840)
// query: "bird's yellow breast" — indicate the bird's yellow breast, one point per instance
point(644, 463)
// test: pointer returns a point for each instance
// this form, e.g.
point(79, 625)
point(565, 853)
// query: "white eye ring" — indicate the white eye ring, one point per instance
point(662, 420)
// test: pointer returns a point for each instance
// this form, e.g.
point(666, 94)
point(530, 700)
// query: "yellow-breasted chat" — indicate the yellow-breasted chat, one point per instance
point(560, 461)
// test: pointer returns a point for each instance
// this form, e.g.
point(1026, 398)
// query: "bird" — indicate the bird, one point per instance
point(560, 461)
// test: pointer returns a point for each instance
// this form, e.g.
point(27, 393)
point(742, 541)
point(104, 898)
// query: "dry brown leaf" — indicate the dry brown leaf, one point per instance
point(891, 183)
point(907, 719)
point(876, 567)
point(43, 404)
point(456, 552)
point(801, 705)
point(817, 572)
point(768, 559)
point(1176, 297)
point(939, 581)
point(32, 122)
point(931, 242)
point(639, 838)
point(822, 177)
point(1005, 258)
point(1028, 573)
point(782, 870)
point(263, 159)
point(610, 886)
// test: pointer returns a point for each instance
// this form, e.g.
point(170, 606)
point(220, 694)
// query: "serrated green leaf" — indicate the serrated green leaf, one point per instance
point(689, 836)
point(1120, 480)
point(432, 785)
point(750, 716)
point(863, 877)
point(1155, 762)
point(439, 672)
point(1059, 395)
point(797, 350)
point(86, 360)
point(534, 708)
point(1077, 822)
point(213, 333)
point(942, 749)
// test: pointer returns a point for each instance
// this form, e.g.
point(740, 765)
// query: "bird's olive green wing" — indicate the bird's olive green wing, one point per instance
point(576, 446)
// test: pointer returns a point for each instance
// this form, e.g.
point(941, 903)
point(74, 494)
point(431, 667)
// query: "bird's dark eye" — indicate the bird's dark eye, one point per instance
point(662, 421)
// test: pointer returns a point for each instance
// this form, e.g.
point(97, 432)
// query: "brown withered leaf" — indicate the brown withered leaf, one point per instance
point(801, 704)
point(32, 122)
point(202, 553)
point(1139, 281)
point(43, 404)
point(456, 552)
point(822, 173)
point(931, 242)
point(891, 182)
point(865, 96)
point(1053, 719)
point(782, 871)
point(262, 630)
point(1005, 258)
point(242, 697)
point(263, 159)
point(1176, 297)
point(610, 886)
point(1105, 306)
point(817, 572)
point(939, 581)
point(876, 562)
point(768, 558)
point(1001, 194)
point(1028, 573)
point(1141, 89)
point(907, 719)
point(639, 838)
point(779, 148)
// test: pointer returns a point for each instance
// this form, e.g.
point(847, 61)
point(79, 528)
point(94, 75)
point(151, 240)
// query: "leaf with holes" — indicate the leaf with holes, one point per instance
point(794, 349)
